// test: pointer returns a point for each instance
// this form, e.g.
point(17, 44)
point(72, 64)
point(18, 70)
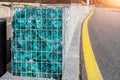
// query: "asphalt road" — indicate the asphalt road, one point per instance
point(104, 31)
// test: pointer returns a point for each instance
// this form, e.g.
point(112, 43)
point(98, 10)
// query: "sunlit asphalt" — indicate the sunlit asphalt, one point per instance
point(104, 32)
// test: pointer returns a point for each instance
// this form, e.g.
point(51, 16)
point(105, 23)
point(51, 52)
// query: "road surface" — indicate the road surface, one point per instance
point(104, 33)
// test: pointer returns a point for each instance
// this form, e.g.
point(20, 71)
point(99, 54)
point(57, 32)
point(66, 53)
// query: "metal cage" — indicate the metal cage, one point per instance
point(38, 44)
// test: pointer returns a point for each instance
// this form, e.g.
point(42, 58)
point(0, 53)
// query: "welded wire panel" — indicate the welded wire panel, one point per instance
point(37, 42)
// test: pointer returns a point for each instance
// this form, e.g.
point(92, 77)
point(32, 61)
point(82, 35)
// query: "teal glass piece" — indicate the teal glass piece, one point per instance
point(14, 66)
point(49, 75)
point(54, 67)
point(60, 36)
point(24, 74)
point(43, 12)
point(28, 56)
point(33, 13)
point(23, 56)
point(16, 33)
point(48, 56)
point(29, 45)
point(38, 75)
point(43, 35)
point(18, 74)
point(37, 43)
point(28, 64)
point(59, 49)
point(39, 14)
point(15, 46)
point(53, 45)
point(43, 67)
point(26, 12)
point(59, 11)
point(48, 13)
point(17, 14)
point(28, 35)
point(34, 67)
point(54, 57)
point(22, 14)
point(24, 67)
point(44, 57)
point(17, 56)
point(14, 24)
point(49, 33)
point(55, 35)
point(39, 35)
point(19, 67)
point(59, 67)
point(38, 23)
point(48, 24)
point(43, 45)
point(29, 74)
point(22, 45)
point(34, 56)
point(39, 56)
point(48, 69)
point(33, 22)
point(22, 23)
point(44, 23)
point(43, 75)
point(36, 46)
point(57, 24)
point(28, 24)
point(59, 57)
point(34, 35)
point(22, 35)
point(53, 13)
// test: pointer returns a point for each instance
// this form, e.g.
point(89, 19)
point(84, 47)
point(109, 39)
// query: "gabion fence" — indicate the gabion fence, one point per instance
point(37, 42)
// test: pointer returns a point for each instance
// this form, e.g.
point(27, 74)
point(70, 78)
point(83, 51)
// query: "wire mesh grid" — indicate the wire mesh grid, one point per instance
point(38, 42)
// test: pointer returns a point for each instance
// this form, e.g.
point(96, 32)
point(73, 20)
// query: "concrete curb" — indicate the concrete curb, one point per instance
point(71, 70)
